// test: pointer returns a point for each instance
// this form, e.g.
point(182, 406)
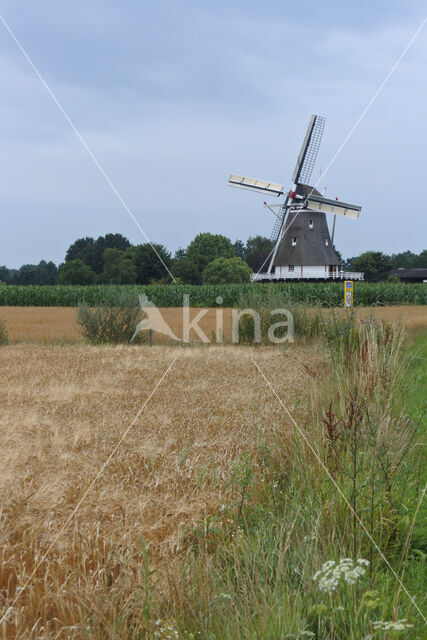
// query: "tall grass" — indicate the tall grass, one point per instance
point(257, 578)
point(321, 294)
point(307, 322)
point(367, 432)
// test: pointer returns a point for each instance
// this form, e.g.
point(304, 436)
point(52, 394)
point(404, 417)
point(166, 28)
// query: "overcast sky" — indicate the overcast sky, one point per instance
point(173, 96)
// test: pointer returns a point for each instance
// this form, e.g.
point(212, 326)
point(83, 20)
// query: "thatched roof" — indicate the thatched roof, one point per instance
point(410, 274)
point(313, 245)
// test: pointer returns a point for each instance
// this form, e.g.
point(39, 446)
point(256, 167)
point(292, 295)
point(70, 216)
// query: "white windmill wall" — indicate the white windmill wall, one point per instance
point(283, 271)
point(313, 270)
point(299, 271)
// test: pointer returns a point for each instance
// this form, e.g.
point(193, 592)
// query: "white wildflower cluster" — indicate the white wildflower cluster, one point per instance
point(392, 625)
point(167, 630)
point(237, 534)
point(345, 570)
point(228, 523)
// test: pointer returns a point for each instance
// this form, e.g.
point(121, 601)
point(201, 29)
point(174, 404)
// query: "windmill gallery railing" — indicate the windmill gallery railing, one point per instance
point(311, 275)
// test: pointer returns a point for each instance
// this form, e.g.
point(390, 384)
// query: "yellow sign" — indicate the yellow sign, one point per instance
point(348, 294)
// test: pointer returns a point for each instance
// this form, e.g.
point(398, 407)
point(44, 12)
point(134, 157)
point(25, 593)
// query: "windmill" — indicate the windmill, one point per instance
point(303, 247)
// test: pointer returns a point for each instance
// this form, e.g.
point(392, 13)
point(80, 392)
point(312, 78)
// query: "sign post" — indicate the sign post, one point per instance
point(348, 294)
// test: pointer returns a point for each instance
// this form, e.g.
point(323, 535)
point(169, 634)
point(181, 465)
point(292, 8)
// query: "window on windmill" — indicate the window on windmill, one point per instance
point(291, 267)
point(294, 241)
point(310, 224)
point(326, 241)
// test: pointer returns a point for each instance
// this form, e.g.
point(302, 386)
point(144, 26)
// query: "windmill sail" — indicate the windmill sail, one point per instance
point(253, 184)
point(318, 203)
point(310, 147)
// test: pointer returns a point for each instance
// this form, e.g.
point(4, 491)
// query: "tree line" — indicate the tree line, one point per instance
point(208, 259)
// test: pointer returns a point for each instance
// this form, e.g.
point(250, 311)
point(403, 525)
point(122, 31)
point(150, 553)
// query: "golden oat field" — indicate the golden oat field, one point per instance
point(64, 409)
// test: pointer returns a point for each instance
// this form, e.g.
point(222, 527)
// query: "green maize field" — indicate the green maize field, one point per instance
point(330, 294)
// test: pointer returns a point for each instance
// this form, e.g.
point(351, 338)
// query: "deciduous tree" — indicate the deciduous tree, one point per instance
point(374, 264)
point(148, 265)
point(119, 267)
point(257, 250)
point(205, 248)
point(75, 272)
point(226, 271)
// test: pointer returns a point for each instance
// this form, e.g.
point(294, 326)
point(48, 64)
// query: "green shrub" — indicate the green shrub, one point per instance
point(112, 322)
point(4, 337)
point(246, 329)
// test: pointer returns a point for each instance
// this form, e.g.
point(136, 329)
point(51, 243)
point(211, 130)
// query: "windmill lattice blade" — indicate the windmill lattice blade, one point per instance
point(309, 150)
point(277, 225)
